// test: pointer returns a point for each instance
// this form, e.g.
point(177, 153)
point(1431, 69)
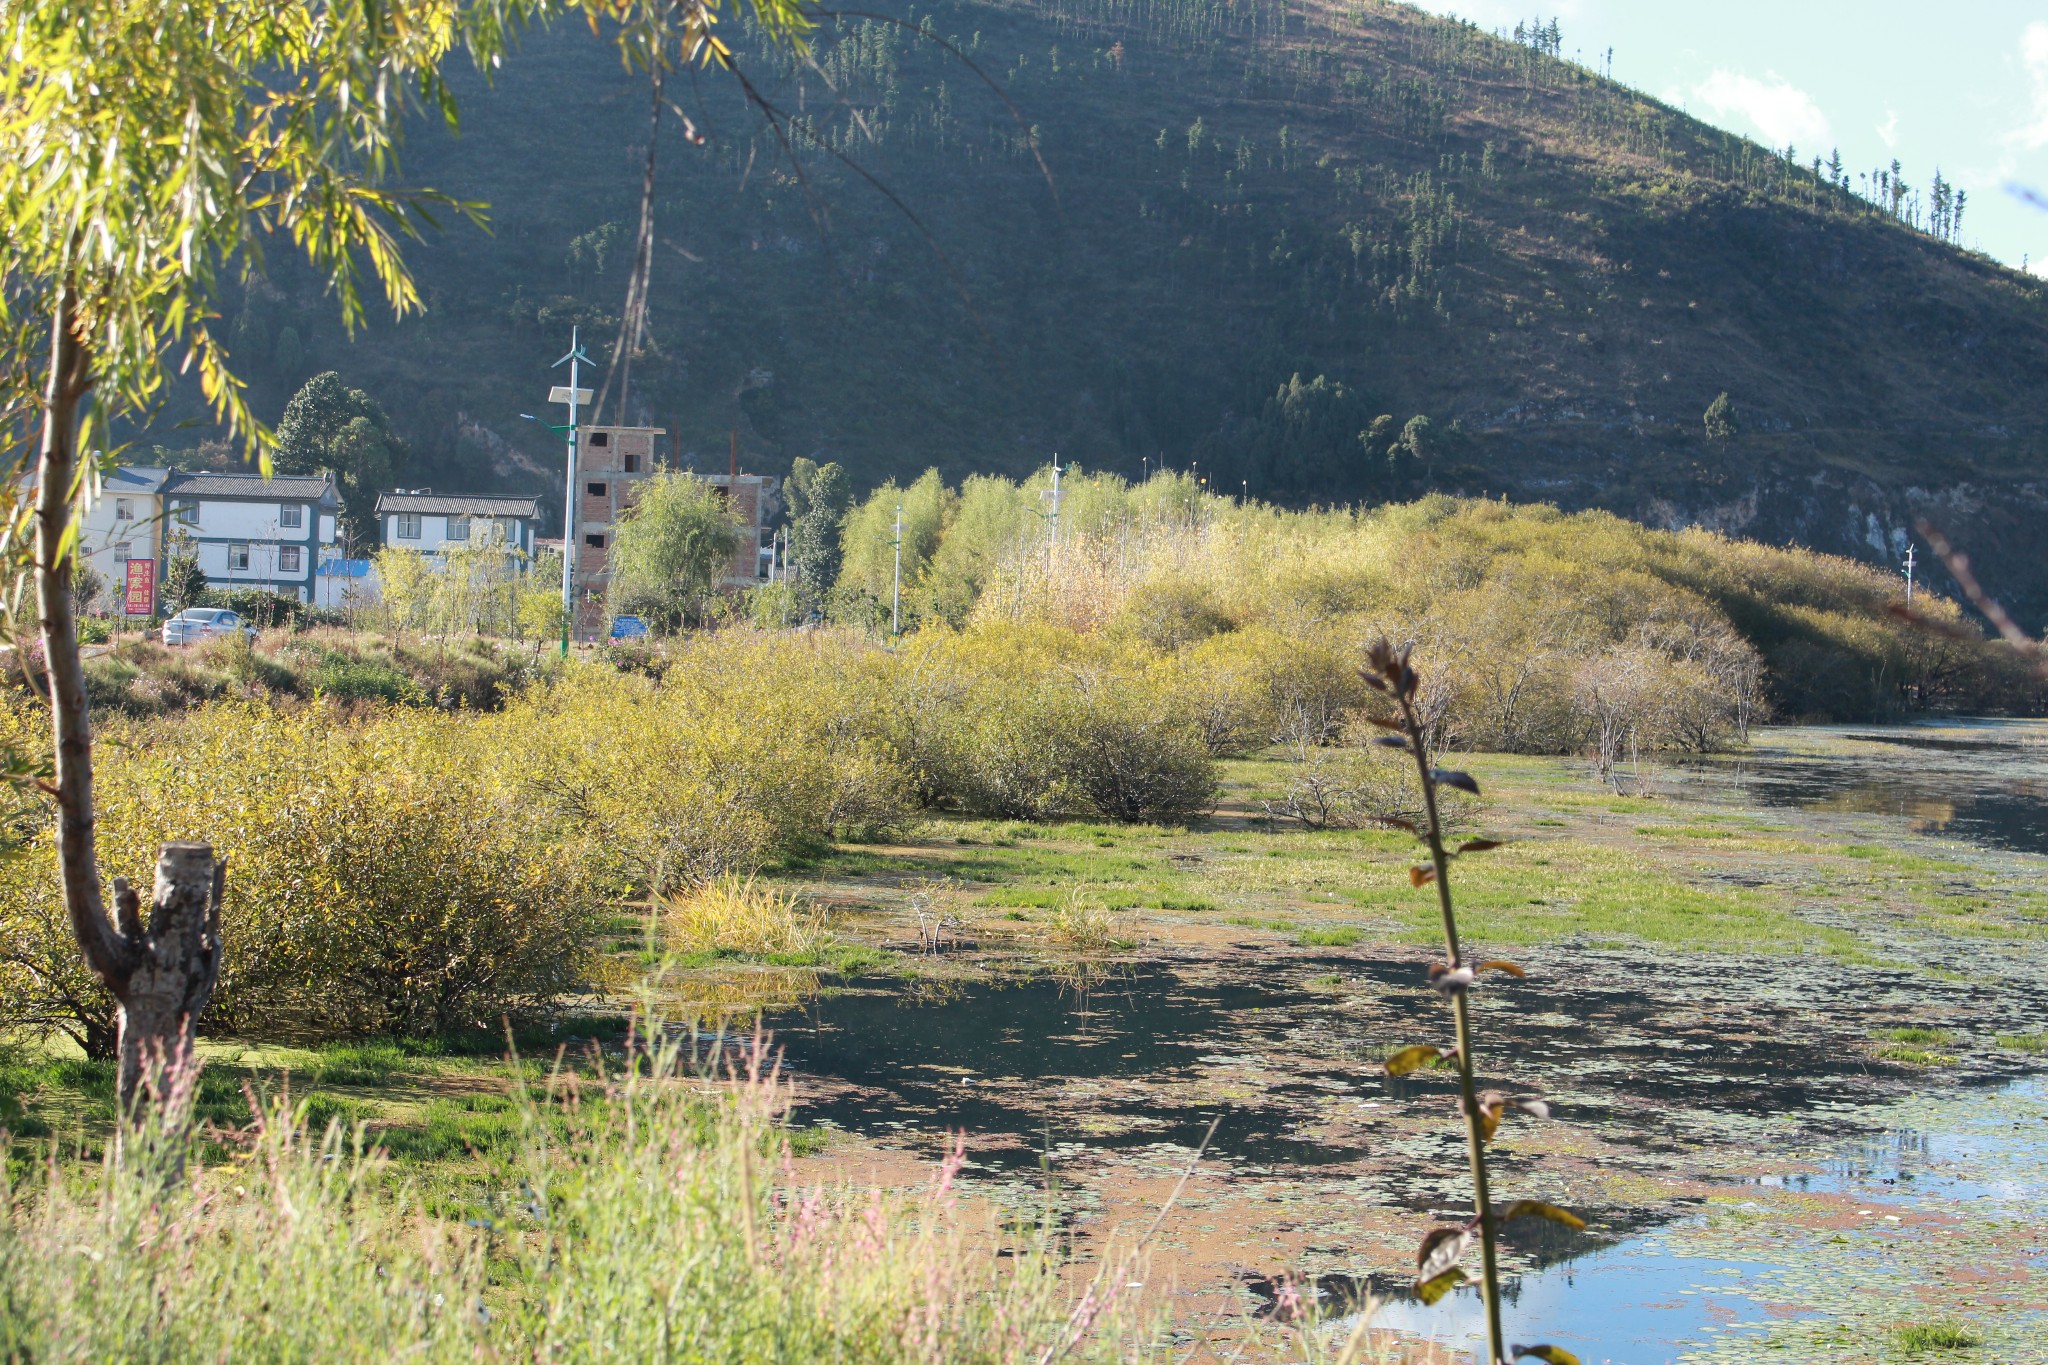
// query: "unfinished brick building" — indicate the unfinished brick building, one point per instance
point(612, 465)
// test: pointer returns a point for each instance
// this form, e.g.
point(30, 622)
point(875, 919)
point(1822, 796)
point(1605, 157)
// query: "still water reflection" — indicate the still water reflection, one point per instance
point(1983, 781)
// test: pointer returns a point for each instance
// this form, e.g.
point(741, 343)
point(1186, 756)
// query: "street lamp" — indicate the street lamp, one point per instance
point(574, 395)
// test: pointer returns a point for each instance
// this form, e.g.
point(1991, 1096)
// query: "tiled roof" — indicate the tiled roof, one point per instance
point(458, 504)
point(280, 488)
point(136, 478)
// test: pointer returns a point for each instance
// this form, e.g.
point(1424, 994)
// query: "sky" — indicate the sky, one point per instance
point(1961, 87)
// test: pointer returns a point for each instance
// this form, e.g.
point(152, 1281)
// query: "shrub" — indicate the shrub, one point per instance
point(767, 749)
point(1036, 722)
point(94, 630)
point(348, 679)
point(379, 880)
point(260, 607)
point(1139, 762)
point(1342, 789)
point(247, 667)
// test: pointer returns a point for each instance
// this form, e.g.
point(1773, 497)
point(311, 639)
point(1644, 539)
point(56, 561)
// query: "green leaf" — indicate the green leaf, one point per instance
point(1550, 1355)
point(1536, 1208)
point(1429, 1291)
point(1413, 1059)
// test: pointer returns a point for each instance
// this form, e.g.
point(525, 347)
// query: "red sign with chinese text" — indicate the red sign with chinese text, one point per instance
point(141, 595)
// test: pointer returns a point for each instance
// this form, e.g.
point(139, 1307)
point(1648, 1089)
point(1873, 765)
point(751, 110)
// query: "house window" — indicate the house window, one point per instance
point(600, 438)
point(238, 557)
point(121, 553)
point(124, 509)
point(408, 526)
point(292, 517)
point(288, 560)
point(632, 464)
point(595, 542)
point(458, 528)
point(596, 490)
point(187, 512)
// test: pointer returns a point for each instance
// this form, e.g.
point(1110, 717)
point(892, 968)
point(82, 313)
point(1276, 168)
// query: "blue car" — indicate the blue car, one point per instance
point(628, 628)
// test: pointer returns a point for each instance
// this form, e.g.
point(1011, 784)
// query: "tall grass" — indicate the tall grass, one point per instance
point(652, 1214)
point(742, 915)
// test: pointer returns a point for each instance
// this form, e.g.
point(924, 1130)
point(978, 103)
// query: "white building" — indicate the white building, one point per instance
point(432, 523)
point(251, 532)
point(123, 523)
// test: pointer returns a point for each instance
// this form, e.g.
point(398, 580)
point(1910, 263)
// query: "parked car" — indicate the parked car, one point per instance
point(628, 628)
point(195, 625)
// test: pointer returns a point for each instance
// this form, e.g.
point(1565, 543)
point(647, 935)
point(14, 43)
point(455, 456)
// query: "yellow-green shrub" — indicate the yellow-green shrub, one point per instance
point(1038, 721)
point(752, 744)
point(379, 877)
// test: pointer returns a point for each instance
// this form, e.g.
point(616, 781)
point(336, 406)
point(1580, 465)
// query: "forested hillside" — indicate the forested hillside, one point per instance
point(1268, 237)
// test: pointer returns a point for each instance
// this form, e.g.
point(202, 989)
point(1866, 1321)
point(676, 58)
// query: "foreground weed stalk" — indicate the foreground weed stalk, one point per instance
point(1438, 1268)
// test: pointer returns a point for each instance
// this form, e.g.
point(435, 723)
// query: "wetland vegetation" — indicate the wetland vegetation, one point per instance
point(1084, 913)
point(1733, 987)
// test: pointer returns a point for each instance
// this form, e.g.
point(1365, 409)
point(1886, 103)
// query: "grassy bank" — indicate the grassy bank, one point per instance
point(633, 1208)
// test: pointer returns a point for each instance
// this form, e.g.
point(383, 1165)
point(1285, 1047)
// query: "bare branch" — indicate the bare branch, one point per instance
point(1966, 578)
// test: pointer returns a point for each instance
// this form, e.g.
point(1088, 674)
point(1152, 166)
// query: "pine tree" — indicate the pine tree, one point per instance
point(1720, 419)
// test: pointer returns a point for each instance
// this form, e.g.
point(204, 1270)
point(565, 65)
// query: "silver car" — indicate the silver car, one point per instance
point(195, 625)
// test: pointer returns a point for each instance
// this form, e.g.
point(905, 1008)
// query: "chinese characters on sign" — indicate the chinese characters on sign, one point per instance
point(141, 596)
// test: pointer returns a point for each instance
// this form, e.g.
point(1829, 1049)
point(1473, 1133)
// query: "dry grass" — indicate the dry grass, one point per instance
point(1085, 924)
point(741, 915)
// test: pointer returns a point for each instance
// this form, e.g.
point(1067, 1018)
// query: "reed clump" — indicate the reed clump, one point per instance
point(732, 914)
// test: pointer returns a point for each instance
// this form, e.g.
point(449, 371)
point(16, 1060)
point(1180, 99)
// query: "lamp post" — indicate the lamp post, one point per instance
point(574, 395)
point(896, 589)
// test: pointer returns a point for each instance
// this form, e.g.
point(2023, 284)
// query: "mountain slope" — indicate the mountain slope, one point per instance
point(1558, 272)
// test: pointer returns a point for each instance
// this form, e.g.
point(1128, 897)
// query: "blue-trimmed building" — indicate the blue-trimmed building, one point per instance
point(251, 532)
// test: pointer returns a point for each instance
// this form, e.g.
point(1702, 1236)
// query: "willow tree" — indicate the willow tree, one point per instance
point(150, 152)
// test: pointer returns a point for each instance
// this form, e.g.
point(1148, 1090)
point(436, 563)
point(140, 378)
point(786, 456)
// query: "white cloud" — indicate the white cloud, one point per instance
point(1888, 131)
point(1779, 111)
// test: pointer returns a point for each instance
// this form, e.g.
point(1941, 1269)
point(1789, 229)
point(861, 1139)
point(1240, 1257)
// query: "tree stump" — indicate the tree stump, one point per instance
point(163, 974)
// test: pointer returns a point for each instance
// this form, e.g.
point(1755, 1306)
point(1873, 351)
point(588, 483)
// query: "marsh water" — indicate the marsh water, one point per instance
point(1981, 781)
point(1133, 1064)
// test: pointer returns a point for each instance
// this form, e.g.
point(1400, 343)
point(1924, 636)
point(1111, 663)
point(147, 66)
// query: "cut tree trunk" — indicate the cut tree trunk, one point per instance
point(161, 974)
point(174, 964)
